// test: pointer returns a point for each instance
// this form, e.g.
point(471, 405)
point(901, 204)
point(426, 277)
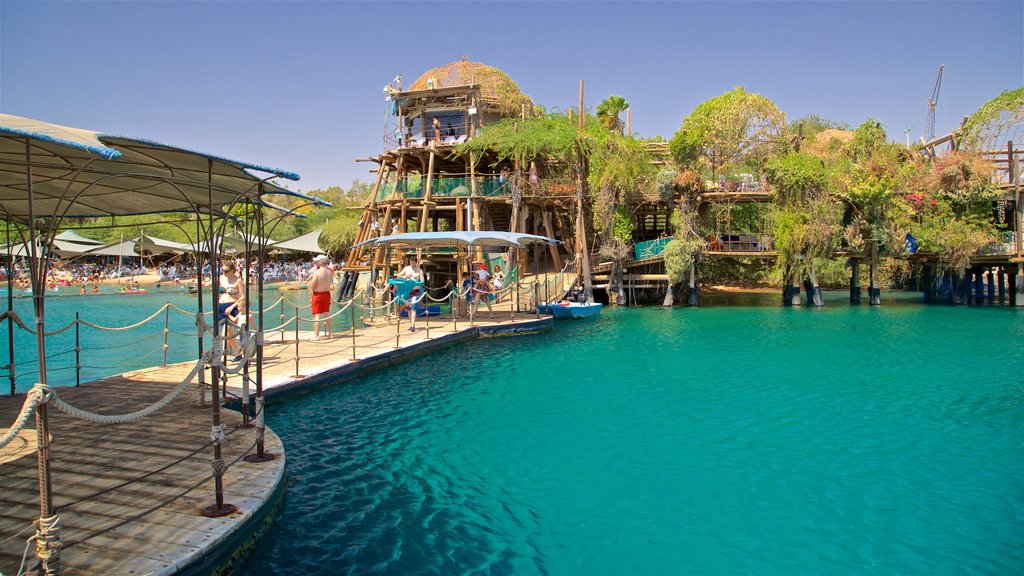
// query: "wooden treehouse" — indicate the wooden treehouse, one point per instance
point(423, 185)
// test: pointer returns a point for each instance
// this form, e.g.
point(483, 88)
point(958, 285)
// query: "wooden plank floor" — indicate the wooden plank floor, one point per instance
point(87, 458)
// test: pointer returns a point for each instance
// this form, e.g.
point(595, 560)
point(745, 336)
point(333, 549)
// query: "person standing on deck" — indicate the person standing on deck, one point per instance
point(320, 301)
point(436, 125)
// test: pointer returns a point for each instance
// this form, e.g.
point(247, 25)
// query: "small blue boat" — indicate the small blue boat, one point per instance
point(571, 310)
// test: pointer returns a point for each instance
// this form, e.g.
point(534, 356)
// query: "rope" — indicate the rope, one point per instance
point(119, 329)
point(121, 418)
point(34, 398)
point(48, 543)
point(17, 320)
point(186, 312)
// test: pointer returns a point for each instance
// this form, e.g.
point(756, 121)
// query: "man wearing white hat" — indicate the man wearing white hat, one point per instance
point(320, 301)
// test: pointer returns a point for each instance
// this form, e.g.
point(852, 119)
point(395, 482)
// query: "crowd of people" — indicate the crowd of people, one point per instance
point(87, 276)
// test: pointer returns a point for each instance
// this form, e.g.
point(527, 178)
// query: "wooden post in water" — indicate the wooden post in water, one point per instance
point(874, 292)
point(1018, 225)
point(1001, 282)
point(855, 282)
point(691, 298)
point(816, 288)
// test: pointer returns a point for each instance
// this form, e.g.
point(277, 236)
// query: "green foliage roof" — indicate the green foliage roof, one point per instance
point(999, 120)
point(494, 84)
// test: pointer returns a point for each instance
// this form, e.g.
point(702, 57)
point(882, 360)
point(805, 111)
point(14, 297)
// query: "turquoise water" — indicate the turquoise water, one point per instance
point(104, 352)
point(718, 440)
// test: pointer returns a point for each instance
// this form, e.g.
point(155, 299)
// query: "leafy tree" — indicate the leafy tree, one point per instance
point(608, 112)
point(735, 127)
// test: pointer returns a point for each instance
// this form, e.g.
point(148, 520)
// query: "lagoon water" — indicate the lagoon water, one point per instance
point(717, 440)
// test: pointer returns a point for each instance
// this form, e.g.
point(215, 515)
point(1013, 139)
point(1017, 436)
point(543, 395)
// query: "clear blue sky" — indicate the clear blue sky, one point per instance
point(297, 85)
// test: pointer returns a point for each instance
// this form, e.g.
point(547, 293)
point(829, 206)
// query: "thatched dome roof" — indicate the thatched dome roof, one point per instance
point(494, 84)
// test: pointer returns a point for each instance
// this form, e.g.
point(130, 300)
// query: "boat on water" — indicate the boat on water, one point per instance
point(568, 310)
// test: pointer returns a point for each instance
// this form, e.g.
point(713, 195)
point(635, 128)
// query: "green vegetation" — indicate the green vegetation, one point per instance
point(736, 127)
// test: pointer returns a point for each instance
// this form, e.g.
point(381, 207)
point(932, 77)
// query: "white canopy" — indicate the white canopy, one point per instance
point(126, 248)
point(308, 242)
point(155, 245)
point(76, 238)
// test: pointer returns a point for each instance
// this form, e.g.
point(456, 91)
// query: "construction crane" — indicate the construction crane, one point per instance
point(930, 121)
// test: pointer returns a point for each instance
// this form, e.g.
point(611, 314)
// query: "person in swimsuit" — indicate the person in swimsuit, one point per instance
point(320, 301)
point(231, 290)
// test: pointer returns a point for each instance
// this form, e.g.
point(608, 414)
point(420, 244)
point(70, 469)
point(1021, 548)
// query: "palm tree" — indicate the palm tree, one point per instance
point(608, 112)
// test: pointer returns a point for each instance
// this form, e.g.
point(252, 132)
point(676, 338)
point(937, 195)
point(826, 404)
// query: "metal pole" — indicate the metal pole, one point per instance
point(167, 322)
point(10, 320)
point(297, 373)
point(455, 317)
point(536, 301)
point(398, 324)
point(37, 275)
point(199, 302)
point(78, 352)
point(352, 328)
point(261, 455)
point(426, 313)
point(218, 508)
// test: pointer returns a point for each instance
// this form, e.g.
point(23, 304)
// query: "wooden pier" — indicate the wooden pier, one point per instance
point(113, 522)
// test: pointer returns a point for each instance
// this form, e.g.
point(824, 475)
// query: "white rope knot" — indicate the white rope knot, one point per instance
point(218, 467)
point(217, 434)
point(48, 542)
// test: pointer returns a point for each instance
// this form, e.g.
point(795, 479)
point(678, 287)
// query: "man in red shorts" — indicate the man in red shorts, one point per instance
point(320, 301)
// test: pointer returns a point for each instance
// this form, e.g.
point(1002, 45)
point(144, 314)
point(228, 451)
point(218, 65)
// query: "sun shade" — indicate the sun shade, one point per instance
point(85, 173)
point(308, 242)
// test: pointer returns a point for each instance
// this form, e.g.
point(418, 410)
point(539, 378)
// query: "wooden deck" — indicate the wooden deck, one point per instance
point(87, 458)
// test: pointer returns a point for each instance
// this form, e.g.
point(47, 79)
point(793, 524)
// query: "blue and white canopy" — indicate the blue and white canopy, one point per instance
point(480, 239)
point(86, 173)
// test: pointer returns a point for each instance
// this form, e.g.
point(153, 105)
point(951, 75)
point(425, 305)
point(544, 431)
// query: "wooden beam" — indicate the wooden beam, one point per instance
point(426, 195)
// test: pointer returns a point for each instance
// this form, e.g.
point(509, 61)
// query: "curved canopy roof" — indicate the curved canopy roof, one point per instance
point(85, 173)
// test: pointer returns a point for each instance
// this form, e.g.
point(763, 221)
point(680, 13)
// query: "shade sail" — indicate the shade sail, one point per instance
point(76, 238)
point(126, 249)
point(483, 238)
point(86, 173)
point(308, 242)
point(155, 245)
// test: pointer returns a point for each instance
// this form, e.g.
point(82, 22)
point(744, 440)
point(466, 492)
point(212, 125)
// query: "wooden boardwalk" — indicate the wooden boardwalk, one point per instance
point(88, 458)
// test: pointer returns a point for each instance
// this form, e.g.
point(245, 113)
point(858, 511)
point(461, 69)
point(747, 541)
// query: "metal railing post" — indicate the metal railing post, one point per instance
point(167, 322)
point(297, 373)
point(536, 299)
point(426, 314)
point(78, 352)
point(352, 328)
point(455, 316)
point(398, 326)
